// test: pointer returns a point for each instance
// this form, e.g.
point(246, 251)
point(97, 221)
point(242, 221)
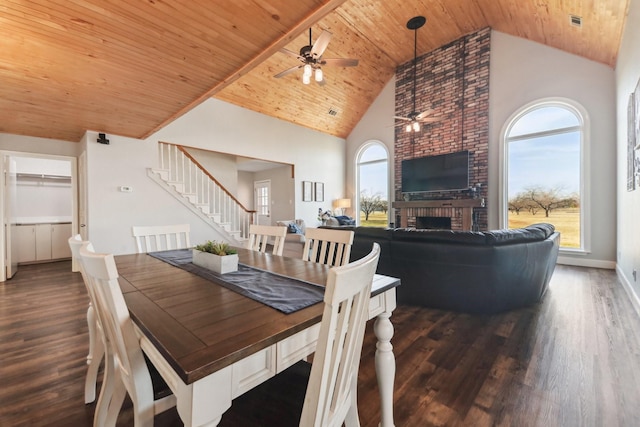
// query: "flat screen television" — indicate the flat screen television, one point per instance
point(436, 173)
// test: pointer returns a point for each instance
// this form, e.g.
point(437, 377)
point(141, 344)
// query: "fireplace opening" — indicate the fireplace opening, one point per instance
point(433, 222)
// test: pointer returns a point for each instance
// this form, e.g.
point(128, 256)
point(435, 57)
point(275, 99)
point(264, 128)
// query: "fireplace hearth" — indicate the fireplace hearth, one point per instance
point(433, 222)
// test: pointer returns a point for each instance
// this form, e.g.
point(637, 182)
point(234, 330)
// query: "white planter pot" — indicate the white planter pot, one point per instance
point(219, 264)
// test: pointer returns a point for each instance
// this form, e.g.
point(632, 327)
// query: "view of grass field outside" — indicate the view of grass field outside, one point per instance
point(373, 178)
point(544, 171)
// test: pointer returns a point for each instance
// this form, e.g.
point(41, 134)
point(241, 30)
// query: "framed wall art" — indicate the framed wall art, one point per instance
point(319, 192)
point(307, 191)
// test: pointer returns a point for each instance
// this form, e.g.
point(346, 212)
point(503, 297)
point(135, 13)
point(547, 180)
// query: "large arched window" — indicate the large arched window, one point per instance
point(543, 179)
point(372, 185)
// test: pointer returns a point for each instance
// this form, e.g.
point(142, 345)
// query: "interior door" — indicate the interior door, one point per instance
point(10, 219)
point(82, 195)
point(262, 201)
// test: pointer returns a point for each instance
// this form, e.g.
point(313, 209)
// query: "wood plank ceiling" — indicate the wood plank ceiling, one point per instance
point(131, 67)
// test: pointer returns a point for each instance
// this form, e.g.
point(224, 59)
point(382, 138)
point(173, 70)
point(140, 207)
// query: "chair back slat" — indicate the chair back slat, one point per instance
point(327, 246)
point(331, 392)
point(261, 235)
point(161, 237)
point(126, 366)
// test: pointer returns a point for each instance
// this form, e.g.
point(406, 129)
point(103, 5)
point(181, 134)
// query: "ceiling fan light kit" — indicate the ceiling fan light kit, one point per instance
point(312, 62)
point(414, 118)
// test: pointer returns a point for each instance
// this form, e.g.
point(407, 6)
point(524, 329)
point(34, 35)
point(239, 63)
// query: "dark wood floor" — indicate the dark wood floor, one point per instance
point(573, 360)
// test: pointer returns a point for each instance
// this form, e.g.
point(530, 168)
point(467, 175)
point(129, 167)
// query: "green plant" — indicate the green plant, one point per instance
point(216, 248)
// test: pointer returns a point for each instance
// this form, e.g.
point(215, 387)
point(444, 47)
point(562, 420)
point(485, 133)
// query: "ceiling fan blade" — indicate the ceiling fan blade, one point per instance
point(287, 71)
point(430, 120)
point(292, 53)
point(321, 44)
point(402, 118)
point(425, 114)
point(340, 62)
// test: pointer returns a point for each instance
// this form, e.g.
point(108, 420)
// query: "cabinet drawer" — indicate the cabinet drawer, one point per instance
point(297, 347)
point(253, 370)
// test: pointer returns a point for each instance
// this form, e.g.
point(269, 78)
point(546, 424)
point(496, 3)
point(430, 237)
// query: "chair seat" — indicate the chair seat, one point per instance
point(160, 387)
point(276, 402)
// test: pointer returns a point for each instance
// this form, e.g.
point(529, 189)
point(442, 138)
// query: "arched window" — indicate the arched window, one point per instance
point(372, 185)
point(544, 169)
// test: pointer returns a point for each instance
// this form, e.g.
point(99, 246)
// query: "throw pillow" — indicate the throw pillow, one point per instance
point(293, 229)
point(345, 220)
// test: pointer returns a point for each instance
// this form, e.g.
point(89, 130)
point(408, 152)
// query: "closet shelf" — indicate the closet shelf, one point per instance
point(43, 176)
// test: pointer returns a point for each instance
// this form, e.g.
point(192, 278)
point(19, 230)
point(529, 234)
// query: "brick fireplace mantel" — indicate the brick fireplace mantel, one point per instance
point(452, 208)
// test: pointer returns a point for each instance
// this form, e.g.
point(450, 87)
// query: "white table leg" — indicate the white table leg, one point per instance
point(385, 367)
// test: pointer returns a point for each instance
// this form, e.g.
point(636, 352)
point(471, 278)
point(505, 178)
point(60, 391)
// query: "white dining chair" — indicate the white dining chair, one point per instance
point(96, 336)
point(327, 246)
point(260, 236)
point(330, 399)
point(126, 369)
point(161, 237)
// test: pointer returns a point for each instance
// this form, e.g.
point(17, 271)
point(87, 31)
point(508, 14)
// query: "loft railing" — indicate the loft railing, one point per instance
point(196, 183)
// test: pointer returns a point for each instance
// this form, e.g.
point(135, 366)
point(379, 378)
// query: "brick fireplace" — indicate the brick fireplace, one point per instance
point(454, 81)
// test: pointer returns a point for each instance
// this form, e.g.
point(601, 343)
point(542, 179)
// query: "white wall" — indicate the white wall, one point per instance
point(376, 125)
point(522, 72)
point(627, 76)
point(224, 167)
point(282, 192)
point(31, 144)
point(213, 125)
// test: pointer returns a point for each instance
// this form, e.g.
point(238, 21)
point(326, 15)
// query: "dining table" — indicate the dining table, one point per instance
point(211, 344)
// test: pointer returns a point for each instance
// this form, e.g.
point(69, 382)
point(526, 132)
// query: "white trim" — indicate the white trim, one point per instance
point(594, 263)
point(633, 296)
point(356, 197)
point(585, 172)
point(74, 200)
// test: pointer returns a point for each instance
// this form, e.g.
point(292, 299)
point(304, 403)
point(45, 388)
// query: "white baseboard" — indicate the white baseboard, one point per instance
point(626, 284)
point(595, 263)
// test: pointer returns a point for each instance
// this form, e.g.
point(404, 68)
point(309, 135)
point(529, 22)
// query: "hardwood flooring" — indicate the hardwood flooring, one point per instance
point(573, 360)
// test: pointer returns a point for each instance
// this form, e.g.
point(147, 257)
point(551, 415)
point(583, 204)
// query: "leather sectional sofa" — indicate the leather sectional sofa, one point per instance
point(474, 272)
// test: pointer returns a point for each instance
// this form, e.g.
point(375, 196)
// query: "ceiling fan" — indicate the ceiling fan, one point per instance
point(312, 62)
point(414, 118)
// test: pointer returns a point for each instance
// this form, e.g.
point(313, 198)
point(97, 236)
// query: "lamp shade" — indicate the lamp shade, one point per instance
point(342, 203)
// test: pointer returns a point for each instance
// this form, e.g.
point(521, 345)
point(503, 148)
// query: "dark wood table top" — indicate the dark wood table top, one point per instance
point(201, 327)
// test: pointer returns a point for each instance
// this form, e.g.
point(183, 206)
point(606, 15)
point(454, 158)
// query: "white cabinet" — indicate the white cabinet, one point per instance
point(42, 242)
point(25, 238)
point(60, 234)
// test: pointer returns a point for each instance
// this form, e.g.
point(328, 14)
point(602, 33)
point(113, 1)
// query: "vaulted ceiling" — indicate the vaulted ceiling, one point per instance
point(131, 67)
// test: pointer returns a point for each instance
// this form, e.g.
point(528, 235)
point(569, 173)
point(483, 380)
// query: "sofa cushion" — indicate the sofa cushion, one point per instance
point(531, 233)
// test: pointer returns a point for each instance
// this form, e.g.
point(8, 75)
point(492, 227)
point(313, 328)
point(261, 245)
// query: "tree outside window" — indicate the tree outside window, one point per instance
point(543, 180)
point(373, 186)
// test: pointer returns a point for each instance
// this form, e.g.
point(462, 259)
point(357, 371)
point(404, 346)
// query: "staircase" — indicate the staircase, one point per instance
point(184, 178)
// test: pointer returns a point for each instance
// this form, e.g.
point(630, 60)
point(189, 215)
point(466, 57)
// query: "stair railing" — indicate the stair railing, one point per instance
point(204, 190)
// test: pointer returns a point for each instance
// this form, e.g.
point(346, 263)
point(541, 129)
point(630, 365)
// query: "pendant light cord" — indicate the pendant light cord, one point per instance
point(415, 65)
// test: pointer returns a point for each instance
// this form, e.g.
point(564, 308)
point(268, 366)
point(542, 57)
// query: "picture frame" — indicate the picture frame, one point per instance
point(319, 194)
point(307, 191)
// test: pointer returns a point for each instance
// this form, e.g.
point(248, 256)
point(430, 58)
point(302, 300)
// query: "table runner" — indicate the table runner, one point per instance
point(283, 293)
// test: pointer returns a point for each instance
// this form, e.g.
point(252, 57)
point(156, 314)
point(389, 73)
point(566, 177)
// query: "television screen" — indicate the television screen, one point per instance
point(436, 173)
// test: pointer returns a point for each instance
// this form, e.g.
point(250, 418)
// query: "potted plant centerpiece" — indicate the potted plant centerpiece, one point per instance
point(216, 256)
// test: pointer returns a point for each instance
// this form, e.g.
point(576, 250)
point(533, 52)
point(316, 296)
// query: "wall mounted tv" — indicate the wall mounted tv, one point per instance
point(436, 173)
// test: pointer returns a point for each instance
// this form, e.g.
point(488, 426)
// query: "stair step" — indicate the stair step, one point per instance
point(179, 186)
point(163, 173)
point(192, 197)
point(204, 207)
